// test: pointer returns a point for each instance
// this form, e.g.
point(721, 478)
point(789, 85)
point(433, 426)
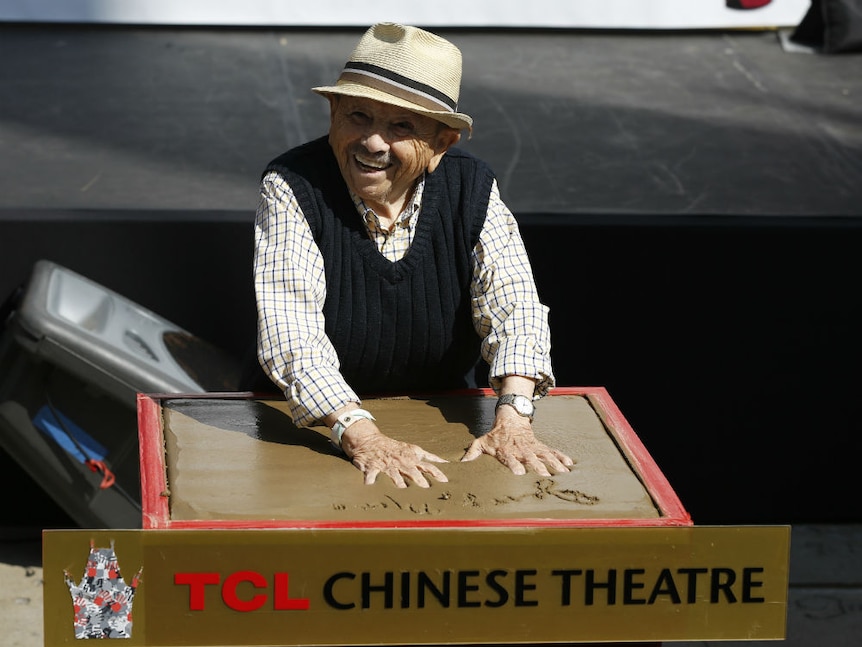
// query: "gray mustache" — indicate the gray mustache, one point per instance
point(381, 159)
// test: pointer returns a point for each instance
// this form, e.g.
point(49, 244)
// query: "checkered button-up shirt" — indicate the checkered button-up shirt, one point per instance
point(291, 290)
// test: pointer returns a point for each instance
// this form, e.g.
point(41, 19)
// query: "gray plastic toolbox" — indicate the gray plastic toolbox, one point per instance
point(73, 357)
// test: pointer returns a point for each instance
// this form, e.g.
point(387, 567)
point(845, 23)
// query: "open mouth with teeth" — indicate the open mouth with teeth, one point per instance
point(371, 165)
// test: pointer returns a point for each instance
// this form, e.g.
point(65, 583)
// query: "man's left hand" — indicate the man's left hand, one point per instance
point(512, 442)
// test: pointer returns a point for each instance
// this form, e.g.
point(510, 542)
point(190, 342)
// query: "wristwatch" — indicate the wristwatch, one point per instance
point(521, 403)
point(344, 421)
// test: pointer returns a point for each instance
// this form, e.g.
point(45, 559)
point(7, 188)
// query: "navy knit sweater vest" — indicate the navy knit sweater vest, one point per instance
point(406, 325)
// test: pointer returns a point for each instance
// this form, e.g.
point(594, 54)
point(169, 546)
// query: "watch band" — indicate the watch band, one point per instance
point(344, 421)
point(520, 403)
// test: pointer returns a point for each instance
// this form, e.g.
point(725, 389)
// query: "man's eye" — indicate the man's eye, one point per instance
point(404, 127)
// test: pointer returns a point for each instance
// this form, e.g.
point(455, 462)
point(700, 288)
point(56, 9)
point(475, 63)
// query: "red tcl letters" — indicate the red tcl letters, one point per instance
point(241, 591)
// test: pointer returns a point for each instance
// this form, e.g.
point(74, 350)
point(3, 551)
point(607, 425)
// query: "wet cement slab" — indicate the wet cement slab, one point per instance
point(238, 459)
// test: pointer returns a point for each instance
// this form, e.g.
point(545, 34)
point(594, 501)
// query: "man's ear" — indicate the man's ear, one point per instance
point(446, 139)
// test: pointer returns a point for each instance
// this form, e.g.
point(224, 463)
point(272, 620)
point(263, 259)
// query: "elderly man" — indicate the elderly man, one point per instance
point(385, 261)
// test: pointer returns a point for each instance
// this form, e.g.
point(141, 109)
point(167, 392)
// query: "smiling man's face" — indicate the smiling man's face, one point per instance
point(383, 149)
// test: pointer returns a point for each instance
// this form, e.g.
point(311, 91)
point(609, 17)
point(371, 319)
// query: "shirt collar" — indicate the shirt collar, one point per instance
point(407, 218)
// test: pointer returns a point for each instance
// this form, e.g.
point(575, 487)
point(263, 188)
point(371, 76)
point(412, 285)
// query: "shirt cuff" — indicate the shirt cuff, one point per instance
point(522, 357)
point(315, 393)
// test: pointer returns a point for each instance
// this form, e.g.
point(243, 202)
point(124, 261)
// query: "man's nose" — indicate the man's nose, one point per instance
point(375, 141)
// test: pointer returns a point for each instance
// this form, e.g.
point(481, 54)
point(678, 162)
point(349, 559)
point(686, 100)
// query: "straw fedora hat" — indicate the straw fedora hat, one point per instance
point(407, 67)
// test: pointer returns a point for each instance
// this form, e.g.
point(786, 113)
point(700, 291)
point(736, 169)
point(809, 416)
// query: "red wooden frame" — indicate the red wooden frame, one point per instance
point(155, 495)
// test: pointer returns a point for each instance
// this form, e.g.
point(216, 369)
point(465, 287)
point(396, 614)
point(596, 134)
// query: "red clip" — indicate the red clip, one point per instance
point(108, 478)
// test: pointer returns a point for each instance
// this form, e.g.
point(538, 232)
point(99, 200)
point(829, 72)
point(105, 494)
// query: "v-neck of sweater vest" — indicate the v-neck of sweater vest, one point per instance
point(393, 271)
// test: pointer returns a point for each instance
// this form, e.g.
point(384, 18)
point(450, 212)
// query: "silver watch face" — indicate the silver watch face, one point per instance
point(522, 404)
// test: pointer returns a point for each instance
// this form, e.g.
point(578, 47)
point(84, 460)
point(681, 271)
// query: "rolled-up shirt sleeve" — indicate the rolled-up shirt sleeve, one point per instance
point(507, 313)
point(290, 290)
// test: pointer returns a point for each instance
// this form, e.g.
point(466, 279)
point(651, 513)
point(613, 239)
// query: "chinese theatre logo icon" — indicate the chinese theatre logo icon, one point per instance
point(103, 600)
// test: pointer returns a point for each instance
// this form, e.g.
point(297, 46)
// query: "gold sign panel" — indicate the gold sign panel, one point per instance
point(415, 586)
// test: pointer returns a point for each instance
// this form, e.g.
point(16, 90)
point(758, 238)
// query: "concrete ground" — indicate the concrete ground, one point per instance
point(590, 123)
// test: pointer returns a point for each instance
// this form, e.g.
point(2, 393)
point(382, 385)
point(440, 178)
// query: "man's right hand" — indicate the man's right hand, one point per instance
point(374, 453)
